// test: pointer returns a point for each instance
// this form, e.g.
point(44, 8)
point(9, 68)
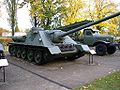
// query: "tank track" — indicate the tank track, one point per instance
point(38, 54)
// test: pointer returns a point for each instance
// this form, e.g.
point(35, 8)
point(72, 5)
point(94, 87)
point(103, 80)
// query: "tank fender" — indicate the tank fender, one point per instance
point(82, 47)
point(54, 50)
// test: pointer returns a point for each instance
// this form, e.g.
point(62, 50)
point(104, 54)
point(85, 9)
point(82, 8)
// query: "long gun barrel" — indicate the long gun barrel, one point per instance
point(89, 24)
point(72, 26)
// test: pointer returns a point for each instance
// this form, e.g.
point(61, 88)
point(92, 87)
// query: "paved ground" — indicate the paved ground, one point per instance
point(57, 75)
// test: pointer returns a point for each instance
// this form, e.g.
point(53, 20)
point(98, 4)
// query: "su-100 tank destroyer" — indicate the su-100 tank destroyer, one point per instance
point(41, 46)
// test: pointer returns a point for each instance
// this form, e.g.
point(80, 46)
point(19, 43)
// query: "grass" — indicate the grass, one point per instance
point(110, 82)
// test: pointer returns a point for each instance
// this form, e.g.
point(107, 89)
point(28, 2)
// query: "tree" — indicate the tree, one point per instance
point(102, 8)
point(11, 6)
point(0, 9)
point(17, 28)
point(46, 13)
point(73, 12)
point(2, 31)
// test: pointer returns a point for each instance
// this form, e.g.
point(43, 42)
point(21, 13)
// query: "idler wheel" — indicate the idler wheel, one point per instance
point(11, 50)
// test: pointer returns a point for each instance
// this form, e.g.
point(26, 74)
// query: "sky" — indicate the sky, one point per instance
point(23, 18)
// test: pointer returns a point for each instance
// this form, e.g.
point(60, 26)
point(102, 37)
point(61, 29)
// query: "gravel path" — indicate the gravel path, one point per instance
point(57, 75)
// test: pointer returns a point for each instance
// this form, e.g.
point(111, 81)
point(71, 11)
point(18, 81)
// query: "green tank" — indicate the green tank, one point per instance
point(42, 46)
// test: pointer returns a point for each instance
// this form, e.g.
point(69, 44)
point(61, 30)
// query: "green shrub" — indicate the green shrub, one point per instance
point(5, 42)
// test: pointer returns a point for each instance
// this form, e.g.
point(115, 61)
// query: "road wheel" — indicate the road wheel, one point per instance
point(38, 57)
point(23, 53)
point(30, 55)
point(18, 53)
point(101, 49)
point(111, 49)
